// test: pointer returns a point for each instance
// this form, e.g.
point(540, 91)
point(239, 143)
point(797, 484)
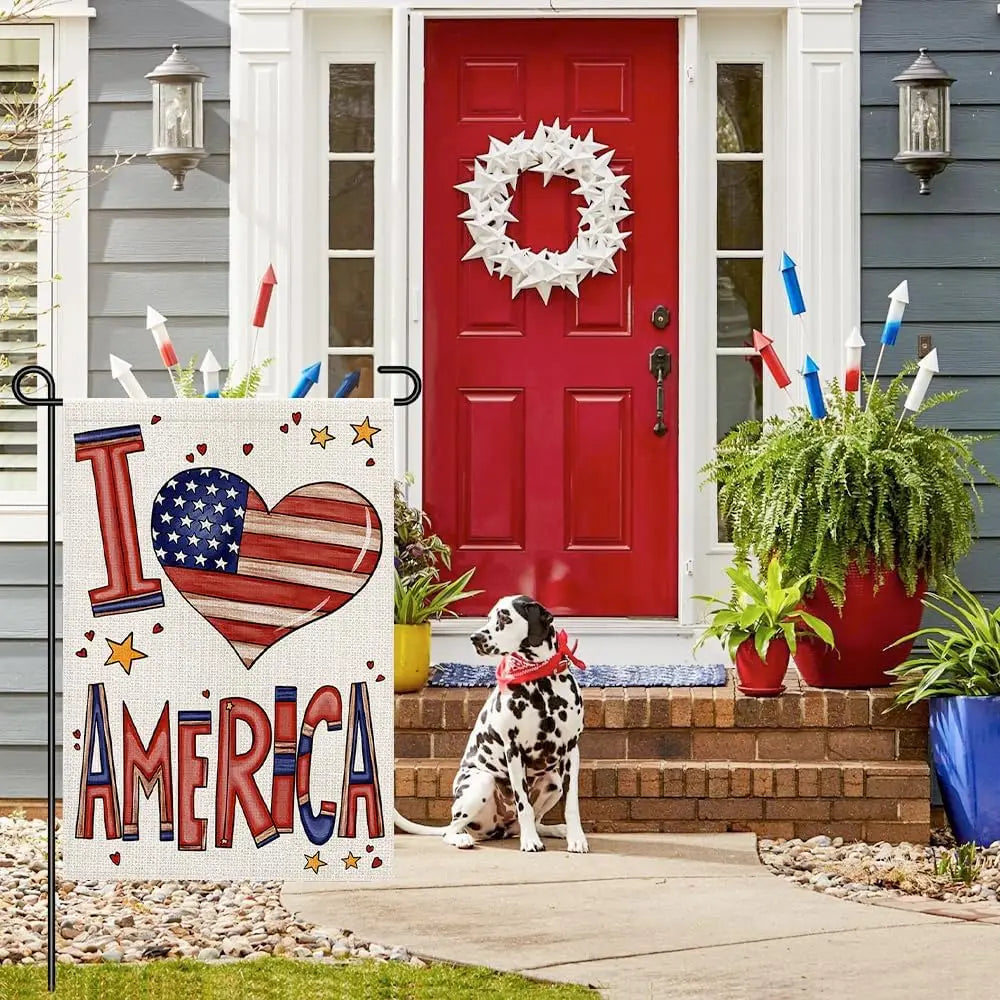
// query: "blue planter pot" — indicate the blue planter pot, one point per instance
point(965, 744)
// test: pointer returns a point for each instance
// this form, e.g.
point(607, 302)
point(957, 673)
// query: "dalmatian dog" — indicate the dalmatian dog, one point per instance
point(524, 750)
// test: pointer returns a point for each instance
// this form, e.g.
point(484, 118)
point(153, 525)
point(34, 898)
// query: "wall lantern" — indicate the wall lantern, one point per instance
point(924, 119)
point(178, 116)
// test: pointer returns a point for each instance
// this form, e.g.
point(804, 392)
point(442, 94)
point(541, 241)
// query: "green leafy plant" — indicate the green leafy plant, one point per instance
point(417, 549)
point(421, 598)
point(961, 865)
point(762, 611)
point(962, 658)
point(246, 387)
point(851, 488)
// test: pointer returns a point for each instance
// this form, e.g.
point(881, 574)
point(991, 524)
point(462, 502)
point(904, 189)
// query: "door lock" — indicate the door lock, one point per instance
point(660, 317)
point(659, 368)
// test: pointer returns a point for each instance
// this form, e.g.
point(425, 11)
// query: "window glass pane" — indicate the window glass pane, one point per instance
point(352, 108)
point(340, 364)
point(739, 392)
point(352, 205)
point(739, 308)
point(740, 205)
point(739, 397)
point(19, 226)
point(740, 112)
point(352, 302)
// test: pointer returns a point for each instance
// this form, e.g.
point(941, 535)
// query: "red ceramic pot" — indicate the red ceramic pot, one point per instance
point(762, 677)
point(869, 621)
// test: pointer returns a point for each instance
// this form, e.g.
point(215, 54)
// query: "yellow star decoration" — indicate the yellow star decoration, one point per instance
point(364, 432)
point(313, 863)
point(321, 436)
point(124, 653)
point(350, 861)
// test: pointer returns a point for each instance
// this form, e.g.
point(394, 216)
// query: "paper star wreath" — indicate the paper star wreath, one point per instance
point(553, 152)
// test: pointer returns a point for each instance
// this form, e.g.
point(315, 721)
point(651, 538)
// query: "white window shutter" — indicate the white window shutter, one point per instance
point(19, 242)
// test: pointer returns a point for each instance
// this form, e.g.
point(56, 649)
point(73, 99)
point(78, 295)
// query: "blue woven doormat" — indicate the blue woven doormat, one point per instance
point(596, 675)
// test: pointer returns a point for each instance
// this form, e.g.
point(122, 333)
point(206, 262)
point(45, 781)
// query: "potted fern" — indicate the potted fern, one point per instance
point(420, 596)
point(958, 673)
point(761, 624)
point(876, 511)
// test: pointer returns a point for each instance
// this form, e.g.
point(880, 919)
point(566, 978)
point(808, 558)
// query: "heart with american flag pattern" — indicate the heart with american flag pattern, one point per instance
point(257, 574)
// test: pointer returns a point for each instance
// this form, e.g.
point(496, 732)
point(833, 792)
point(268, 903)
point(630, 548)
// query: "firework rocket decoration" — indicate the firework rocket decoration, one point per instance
point(121, 372)
point(310, 376)
point(899, 298)
point(157, 326)
point(764, 346)
point(853, 348)
point(814, 391)
point(792, 289)
point(264, 292)
point(927, 369)
point(210, 369)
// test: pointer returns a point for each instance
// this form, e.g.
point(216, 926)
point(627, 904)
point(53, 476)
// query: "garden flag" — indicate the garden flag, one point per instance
point(227, 605)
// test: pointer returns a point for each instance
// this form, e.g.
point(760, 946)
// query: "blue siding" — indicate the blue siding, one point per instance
point(945, 244)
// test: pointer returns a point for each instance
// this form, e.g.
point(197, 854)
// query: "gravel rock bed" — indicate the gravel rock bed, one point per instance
point(140, 921)
point(865, 872)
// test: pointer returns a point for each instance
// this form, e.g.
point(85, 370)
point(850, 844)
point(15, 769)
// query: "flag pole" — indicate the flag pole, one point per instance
point(50, 402)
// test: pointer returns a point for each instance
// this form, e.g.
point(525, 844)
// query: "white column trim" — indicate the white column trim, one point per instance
point(266, 112)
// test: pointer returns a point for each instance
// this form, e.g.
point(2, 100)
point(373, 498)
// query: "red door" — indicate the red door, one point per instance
point(541, 467)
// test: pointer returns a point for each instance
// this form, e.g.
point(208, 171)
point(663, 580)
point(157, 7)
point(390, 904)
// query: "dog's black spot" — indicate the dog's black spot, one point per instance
point(553, 787)
point(547, 724)
point(472, 825)
point(562, 716)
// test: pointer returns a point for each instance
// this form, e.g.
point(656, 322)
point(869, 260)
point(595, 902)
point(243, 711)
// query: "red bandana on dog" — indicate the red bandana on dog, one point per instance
point(515, 669)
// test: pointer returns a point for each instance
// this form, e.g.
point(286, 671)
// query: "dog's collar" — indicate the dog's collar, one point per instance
point(515, 669)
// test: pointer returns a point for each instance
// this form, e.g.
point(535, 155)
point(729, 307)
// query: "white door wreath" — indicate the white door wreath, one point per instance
point(553, 152)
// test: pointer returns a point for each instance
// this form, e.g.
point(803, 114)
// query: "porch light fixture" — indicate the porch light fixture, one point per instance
point(178, 116)
point(924, 119)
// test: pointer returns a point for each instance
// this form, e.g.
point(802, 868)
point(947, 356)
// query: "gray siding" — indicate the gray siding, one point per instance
point(147, 245)
point(945, 244)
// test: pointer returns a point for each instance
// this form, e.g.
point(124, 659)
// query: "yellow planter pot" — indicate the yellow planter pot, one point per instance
point(412, 655)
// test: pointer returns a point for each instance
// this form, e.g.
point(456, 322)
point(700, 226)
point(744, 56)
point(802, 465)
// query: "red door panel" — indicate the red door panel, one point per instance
point(541, 467)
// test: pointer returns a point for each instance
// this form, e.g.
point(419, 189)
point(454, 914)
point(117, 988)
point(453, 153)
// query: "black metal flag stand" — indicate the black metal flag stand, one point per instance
point(51, 401)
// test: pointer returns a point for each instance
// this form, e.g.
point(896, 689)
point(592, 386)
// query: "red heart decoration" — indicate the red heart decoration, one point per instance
point(370, 664)
point(296, 417)
point(247, 448)
point(76, 734)
point(89, 635)
point(190, 456)
point(156, 420)
point(381, 677)
point(205, 693)
point(76, 746)
point(157, 628)
point(370, 462)
point(116, 858)
point(283, 428)
point(202, 448)
point(376, 862)
point(370, 848)
point(252, 586)
point(82, 653)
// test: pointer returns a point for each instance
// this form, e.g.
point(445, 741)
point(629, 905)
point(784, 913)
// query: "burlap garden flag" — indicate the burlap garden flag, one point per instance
point(227, 681)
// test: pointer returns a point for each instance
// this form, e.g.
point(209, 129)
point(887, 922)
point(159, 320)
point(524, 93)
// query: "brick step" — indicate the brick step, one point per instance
point(856, 800)
point(692, 724)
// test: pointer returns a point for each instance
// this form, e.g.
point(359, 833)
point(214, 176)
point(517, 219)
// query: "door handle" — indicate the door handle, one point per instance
point(659, 368)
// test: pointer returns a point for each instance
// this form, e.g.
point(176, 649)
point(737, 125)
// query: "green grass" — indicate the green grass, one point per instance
point(277, 979)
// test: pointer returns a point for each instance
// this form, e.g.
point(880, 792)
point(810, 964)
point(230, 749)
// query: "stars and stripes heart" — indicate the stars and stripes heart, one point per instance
point(254, 574)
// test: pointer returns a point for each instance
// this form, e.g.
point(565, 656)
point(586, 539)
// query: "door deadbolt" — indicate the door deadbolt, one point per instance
point(660, 317)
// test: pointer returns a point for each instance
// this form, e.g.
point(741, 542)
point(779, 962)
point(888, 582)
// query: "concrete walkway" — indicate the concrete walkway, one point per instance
point(651, 916)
